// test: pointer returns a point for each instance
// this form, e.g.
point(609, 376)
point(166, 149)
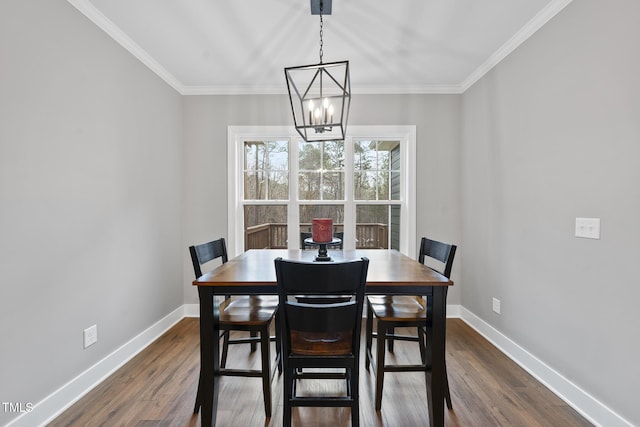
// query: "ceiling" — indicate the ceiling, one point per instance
point(242, 46)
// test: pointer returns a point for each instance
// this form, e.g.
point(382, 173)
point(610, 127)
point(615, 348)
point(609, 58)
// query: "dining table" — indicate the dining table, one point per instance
point(253, 273)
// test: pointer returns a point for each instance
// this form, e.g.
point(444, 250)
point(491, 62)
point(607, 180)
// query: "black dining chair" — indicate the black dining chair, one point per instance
point(321, 338)
point(252, 314)
point(399, 311)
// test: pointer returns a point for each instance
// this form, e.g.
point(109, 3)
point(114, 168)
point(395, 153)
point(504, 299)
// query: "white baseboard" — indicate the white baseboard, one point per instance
point(58, 401)
point(589, 407)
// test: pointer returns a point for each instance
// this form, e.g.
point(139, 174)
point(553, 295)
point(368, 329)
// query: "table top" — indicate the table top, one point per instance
point(387, 268)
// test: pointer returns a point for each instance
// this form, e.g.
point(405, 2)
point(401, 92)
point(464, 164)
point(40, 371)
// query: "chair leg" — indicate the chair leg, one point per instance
point(422, 345)
point(278, 344)
point(253, 334)
point(225, 348)
point(390, 340)
point(382, 335)
point(447, 394)
point(354, 379)
point(288, 381)
point(196, 407)
point(265, 343)
point(369, 336)
point(355, 414)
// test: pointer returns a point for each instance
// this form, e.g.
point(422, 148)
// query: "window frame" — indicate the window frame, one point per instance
point(237, 135)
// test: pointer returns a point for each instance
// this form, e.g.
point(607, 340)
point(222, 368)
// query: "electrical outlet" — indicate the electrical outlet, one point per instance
point(496, 305)
point(90, 336)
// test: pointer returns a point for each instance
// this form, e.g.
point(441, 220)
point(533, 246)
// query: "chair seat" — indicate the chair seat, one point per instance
point(250, 310)
point(398, 308)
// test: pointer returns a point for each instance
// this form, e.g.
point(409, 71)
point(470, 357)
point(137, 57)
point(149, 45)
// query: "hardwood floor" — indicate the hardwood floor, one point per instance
point(158, 388)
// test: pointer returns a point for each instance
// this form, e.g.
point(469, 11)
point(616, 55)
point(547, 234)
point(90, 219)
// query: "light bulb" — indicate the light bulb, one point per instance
point(310, 110)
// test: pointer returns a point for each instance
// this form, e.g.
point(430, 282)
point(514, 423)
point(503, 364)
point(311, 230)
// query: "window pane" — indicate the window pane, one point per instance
point(254, 152)
point(321, 164)
point(333, 155)
point(364, 157)
point(309, 155)
point(254, 185)
point(265, 227)
point(309, 185)
point(377, 175)
point(383, 185)
point(375, 225)
point(278, 185)
point(278, 155)
point(395, 185)
point(383, 157)
point(266, 165)
point(365, 185)
point(333, 186)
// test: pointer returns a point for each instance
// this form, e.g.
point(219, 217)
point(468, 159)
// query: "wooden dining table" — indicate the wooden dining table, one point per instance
point(253, 273)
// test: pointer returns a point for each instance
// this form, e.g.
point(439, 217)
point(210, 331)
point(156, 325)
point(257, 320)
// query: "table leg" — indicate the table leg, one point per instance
point(438, 380)
point(207, 397)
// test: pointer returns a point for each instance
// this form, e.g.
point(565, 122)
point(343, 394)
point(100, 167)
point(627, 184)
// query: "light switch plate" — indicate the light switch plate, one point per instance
point(588, 228)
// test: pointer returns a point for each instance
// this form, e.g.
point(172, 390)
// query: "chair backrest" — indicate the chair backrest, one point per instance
point(342, 319)
point(205, 252)
point(443, 252)
point(305, 235)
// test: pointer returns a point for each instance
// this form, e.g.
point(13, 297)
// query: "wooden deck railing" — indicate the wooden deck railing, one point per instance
point(274, 235)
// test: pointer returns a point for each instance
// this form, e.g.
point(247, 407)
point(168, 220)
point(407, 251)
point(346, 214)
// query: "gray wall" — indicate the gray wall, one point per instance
point(437, 119)
point(90, 197)
point(553, 133)
point(99, 158)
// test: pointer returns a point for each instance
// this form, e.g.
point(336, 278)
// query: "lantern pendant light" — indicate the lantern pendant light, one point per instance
point(320, 94)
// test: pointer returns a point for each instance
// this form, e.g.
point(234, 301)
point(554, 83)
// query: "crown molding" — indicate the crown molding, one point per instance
point(235, 90)
point(98, 18)
point(355, 89)
point(407, 90)
point(538, 21)
point(104, 23)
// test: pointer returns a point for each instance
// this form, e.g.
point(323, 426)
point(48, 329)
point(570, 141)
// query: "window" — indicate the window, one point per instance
point(278, 183)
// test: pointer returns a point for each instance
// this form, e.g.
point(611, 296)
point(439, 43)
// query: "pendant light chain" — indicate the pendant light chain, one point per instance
point(321, 25)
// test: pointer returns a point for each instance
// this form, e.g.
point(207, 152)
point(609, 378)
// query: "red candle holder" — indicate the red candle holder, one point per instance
point(322, 230)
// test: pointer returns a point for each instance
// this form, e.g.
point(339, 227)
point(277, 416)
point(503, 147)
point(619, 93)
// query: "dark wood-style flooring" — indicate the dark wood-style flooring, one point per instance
point(158, 388)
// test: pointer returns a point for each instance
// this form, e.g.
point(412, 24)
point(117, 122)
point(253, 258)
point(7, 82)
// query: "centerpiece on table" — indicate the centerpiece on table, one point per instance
point(322, 230)
point(322, 234)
